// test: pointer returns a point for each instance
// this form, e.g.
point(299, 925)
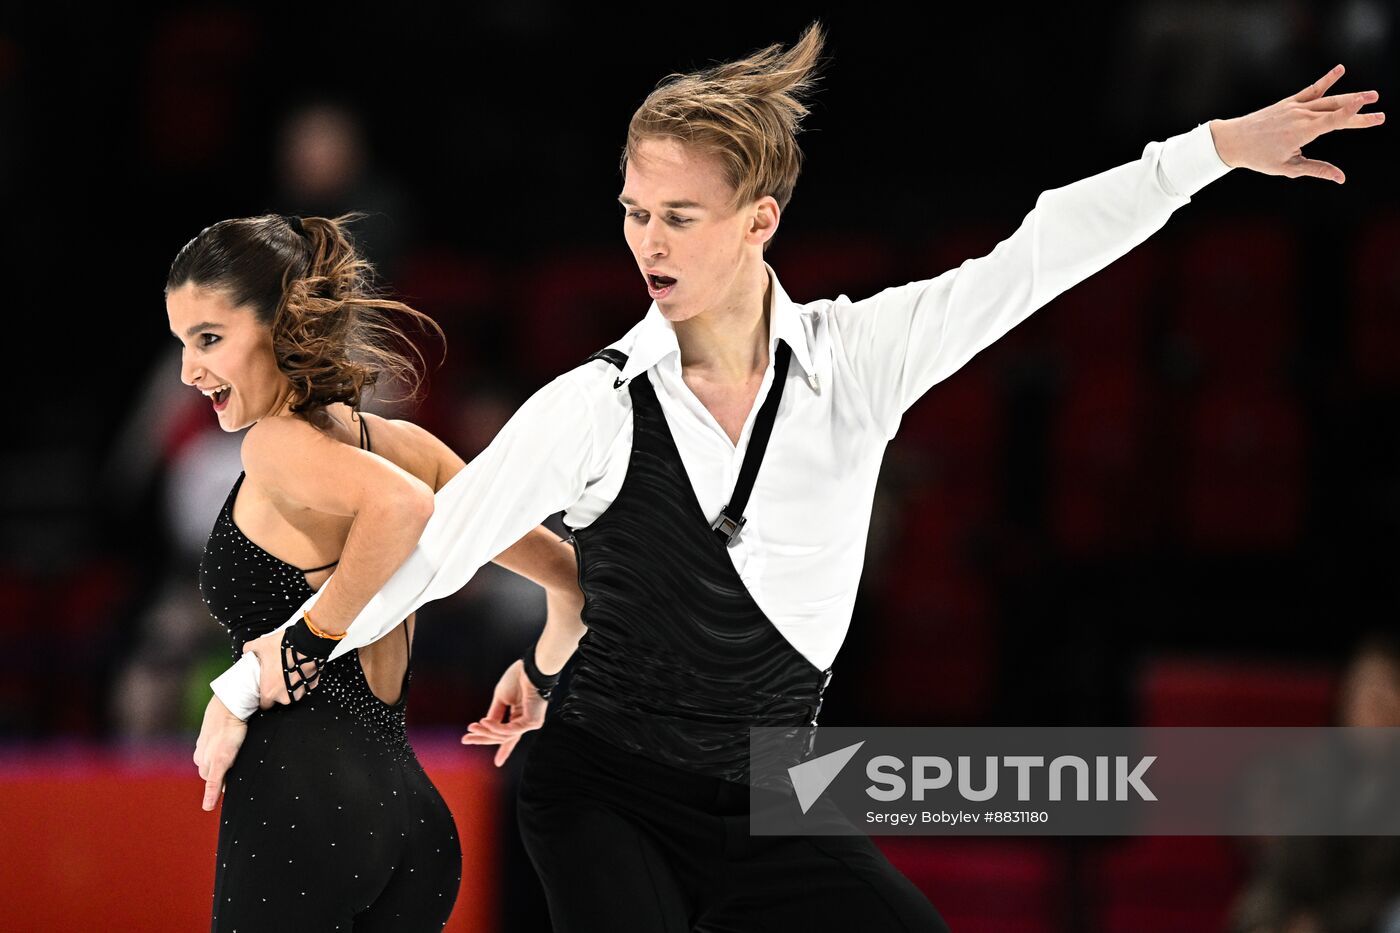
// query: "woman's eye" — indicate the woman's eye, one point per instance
point(208, 339)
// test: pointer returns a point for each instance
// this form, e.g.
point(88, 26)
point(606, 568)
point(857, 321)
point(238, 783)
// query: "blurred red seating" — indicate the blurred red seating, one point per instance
point(817, 266)
point(986, 885)
point(1375, 292)
point(937, 651)
point(573, 304)
point(1242, 479)
point(1103, 321)
point(1163, 884)
point(1235, 308)
point(1104, 498)
point(1203, 692)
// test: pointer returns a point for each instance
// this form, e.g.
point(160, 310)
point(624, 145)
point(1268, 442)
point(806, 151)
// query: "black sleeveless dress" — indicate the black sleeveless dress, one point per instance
point(328, 820)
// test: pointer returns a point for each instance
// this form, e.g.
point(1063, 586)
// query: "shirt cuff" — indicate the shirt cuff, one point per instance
point(1190, 161)
point(239, 686)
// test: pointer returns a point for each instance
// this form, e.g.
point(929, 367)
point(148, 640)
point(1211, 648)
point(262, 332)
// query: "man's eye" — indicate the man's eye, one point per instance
point(635, 215)
point(680, 221)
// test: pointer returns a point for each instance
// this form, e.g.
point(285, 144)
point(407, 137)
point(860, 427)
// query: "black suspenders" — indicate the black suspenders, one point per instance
point(731, 518)
point(727, 526)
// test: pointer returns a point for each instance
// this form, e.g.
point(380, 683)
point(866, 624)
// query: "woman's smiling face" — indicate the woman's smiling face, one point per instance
point(225, 348)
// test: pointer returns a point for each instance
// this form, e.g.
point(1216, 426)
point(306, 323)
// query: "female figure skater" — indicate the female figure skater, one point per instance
point(717, 466)
point(329, 822)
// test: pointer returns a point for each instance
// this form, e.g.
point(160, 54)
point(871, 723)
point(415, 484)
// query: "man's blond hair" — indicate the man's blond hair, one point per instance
point(747, 113)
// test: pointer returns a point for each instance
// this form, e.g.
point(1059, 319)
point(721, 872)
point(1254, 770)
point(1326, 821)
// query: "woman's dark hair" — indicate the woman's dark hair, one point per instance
point(332, 332)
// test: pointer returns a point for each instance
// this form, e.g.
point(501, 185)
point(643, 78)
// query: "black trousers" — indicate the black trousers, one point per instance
point(623, 843)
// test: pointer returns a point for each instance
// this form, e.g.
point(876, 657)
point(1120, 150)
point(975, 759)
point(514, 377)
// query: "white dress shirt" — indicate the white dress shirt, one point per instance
point(857, 366)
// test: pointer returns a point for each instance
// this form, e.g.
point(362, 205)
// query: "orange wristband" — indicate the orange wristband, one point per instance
point(317, 632)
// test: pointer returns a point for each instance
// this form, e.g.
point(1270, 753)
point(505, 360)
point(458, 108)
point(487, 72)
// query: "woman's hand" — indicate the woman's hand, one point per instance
point(514, 695)
point(563, 627)
point(220, 737)
point(271, 687)
point(1270, 140)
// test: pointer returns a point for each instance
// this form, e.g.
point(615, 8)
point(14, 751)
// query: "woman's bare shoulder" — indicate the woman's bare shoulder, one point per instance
point(281, 438)
point(425, 446)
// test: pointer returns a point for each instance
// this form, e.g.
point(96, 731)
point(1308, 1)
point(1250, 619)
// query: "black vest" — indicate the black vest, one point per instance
point(678, 661)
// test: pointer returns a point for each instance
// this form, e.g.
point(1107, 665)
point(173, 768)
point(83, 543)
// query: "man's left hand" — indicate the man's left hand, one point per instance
point(1270, 140)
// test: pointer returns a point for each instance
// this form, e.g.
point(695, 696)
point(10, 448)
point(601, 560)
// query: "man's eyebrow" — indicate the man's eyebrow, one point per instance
point(631, 203)
point(202, 325)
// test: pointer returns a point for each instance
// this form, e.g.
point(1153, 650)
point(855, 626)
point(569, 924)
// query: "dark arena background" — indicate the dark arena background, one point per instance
point(1170, 497)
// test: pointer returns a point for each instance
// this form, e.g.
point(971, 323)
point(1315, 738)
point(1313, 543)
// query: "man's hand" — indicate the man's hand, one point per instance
point(220, 737)
point(1271, 140)
point(272, 688)
point(516, 695)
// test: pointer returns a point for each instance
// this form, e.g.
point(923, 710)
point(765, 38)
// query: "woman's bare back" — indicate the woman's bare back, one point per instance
point(306, 538)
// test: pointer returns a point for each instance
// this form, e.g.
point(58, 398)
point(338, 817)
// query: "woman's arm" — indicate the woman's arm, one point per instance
point(553, 564)
point(301, 468)
point(537, 465)
point(389, 507)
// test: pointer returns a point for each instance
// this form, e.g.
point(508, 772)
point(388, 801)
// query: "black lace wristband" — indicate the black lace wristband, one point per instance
point(303, 653)
point(544, 683)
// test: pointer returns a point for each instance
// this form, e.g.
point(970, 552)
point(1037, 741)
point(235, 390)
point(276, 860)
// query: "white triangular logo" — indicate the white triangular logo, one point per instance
point(810, 778)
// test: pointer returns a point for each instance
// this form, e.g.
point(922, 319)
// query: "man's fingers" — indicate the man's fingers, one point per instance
point(1354, 103)
point(1343, 103)
point(1350, 117)
point(1320, 86)
point(1317, 168)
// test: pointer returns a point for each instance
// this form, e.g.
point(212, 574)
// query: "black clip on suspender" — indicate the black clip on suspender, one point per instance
point(727, 526)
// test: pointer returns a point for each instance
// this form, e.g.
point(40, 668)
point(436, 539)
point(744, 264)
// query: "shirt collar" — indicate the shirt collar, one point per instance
point(656, 336)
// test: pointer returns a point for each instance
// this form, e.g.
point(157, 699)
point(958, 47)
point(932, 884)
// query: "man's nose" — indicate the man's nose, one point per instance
point(654, 240)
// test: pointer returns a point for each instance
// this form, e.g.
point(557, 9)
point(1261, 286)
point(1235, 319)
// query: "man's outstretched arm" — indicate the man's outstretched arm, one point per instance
point(903, 340)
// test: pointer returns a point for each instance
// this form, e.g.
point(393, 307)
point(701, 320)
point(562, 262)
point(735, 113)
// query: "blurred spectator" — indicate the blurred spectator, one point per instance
point(1335, 884)
point(324, 168)
point(176, 644)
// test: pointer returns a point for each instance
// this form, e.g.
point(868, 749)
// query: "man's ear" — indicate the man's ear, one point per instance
point(764, 216)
